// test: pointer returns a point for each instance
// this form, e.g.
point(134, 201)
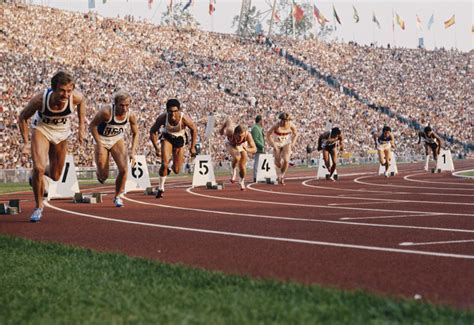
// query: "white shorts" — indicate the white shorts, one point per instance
point(239, 147)
point(108, 142)
point(53, 136)
point(281, 141)
point(384, 146)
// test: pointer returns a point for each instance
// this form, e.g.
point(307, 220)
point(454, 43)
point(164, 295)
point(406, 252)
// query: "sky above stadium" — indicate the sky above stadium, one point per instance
point(458, 36)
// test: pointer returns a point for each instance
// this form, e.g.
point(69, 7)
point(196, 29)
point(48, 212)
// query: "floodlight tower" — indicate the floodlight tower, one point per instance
point(244, 11)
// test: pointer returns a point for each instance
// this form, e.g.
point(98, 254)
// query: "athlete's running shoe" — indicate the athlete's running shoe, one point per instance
point(118, 201)
point(159, 194)
point(36, 216)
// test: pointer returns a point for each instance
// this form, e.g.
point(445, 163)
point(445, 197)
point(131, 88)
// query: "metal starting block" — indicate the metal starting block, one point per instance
point(434, 170)
point(268, 180)
point(392, 174)
point(13, 207)
point(150, 191)
point(87, 198)
point(218, 186)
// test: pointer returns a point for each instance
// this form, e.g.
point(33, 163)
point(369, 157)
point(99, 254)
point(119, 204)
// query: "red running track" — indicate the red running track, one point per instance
point(412, 234)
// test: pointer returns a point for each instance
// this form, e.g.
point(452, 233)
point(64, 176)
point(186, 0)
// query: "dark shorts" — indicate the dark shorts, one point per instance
point(433, 146)
point(176, 142)
point(330, 148)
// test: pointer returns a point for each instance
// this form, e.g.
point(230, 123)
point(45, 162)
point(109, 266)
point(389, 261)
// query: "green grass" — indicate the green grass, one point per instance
point(469, 173)
point(44, 283)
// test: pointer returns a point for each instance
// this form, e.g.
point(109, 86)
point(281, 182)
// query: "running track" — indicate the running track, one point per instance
point(408, 235)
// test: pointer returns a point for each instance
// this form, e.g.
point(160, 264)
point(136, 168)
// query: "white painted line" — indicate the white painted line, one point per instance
point(250, 186)
point(305, 183)
point(358, 180)
point(437, 242)
point(281, 239)
point(395, 216)
point(330, 207)
point(408, 178)
point(459, 172)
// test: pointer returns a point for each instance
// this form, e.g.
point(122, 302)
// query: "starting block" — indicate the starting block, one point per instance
point(434, 170)
point(87, 198)
point(218, 186)
point(150, 191)
point(269, 180)
point(13, 207)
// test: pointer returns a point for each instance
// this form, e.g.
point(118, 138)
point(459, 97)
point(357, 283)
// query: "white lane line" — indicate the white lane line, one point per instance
point(305, 183)
point(359, 203)
point(358, 181)
point(437, 242)
point(395, 216)
point(250, 186)
point(281, 239)
point(408, 178)
point(189, 190)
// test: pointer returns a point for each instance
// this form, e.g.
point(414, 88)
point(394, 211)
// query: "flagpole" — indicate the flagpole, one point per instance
point(393, 30)
point(271, 19)
point(455, 38)
point(294, 23)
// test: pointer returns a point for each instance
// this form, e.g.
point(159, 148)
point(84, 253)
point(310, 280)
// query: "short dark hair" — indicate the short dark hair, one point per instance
point(284, 116)
point(427, 129)
point(239, 129)
point(335, 132)
point(386, 128)
point(258, 118)
point(61, 78)
point(173, 103)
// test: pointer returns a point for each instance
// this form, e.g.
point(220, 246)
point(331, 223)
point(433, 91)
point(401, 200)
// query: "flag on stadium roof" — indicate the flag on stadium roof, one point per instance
point(450, 22)
point(356, 14)
point(91, 4)
point(276, 17)
point(419, 25)
point(319, 16)
point(336, 17)
point(104, 1)
point(298, 13)
point(187, 5)
point(400, 22)
point(212, 6)
point(430, 22)
point(150, 2)
point(375, 20)
point(170, 6)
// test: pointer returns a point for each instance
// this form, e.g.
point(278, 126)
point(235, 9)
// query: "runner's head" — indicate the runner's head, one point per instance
point(62, 84)
point(284, 118)
point(335, 132)
point(122, 101)
point(173, 108)
point(428, 130)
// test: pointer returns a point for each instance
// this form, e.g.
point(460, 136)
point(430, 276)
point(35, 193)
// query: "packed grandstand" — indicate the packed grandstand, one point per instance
point(358, 88)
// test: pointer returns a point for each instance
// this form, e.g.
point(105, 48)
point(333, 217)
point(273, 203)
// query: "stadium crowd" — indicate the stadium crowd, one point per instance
point(226, 75)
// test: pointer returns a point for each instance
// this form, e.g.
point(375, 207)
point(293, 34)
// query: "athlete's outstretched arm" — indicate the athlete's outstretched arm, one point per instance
point(80, 100)
point(160, 121)
point(269, 135)
point(341, 142)
point(135, 135)
point(33, 105)
point(295, 134)
point(190, 124)
point(252, 147)
point(101, 116)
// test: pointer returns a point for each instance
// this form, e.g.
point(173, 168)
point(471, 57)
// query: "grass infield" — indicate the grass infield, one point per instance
point(51, 283)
